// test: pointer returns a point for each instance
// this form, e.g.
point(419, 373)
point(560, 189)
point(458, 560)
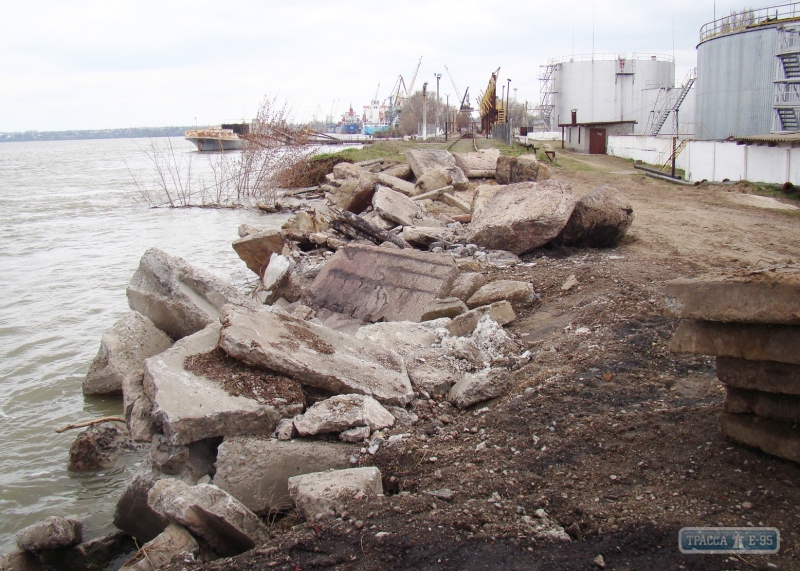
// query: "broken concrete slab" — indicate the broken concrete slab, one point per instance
point(167, 457)
point(356, 434)
point(523, 216)
point(483, 385)
point(431, 379)
point(764, 297)
point(321, 493)
point(424, 236)
point(482, 197)
point(137, 408)
point(315, 355)
point(477, 164)
point(447, 307)
point(518, 294)
point(396, 183)
point(467, 284)
point(396, 206)
point(402, 336)
point(430, 182)
point(600, 219)
point(209, 513)
point(377, 284)
point(173, 543)
point(455, 201)
point(255, 249)
point(123, 349)
point(422, 161)
point(402, 171)
point(379, 221)
point(784, 408)
point(340, 412)
point(524, 168)
point(256, 471)
point(190, 407)
point(768, 376)
point(773, 437)
point(465, 324)
point(133, 514)
point(360, 196)
point(50, 533)
point(754, 342)
point(97, 554)
point(177, 297)
point(343, 171)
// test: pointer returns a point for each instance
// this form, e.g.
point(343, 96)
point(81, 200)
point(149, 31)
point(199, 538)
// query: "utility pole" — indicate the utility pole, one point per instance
point(508, 94)
point(447, 110)
point(438, 77)
point(425, 111)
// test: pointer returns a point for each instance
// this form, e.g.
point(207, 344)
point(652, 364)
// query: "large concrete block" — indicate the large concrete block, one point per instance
point(320, 493)
point(255, 249)
point(315, 355)
point(177, 297)
point(50, 533)
point(174, 542)
point(766, 297)
point(341, 412)
point(523, 216)
point(123, 349)
point(190, 407)
point(424, 160)
point(768, 376)
point(784, 408)
point(773, 437)
point(380, 284)
point(209, 513)
point(396, 206)
point(600, 219)
point(744, 341)
point(256, 471)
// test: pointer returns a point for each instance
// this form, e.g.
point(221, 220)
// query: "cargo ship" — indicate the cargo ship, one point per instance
point(350, 123)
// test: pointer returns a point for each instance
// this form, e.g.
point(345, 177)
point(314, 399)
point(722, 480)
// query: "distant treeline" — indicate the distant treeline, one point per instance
point(131, 133)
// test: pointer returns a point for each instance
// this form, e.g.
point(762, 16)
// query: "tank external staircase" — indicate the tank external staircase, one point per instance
point(786, 105)
point(665, 104)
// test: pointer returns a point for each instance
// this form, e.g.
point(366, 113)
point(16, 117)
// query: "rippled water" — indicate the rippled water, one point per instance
point(70, 240)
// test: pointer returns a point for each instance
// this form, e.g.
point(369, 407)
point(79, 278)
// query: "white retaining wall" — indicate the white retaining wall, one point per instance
point(715, 160)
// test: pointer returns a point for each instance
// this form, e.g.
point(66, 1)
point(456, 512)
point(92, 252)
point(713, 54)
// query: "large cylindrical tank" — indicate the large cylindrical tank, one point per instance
point(605, 87)
point(734, 89)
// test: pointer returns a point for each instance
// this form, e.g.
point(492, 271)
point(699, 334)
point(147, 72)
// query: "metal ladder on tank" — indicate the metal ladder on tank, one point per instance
point(659, 117)
point(786, 104)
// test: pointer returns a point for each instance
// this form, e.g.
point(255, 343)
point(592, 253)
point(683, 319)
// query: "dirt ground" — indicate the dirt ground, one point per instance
point(612, 435)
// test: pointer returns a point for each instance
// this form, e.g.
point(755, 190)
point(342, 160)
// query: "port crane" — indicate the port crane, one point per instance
point(399, 94)
point(465, 106)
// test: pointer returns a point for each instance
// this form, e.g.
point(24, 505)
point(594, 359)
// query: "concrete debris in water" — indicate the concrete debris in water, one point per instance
point(177, 297)
point(123, 349)
point(50, 533)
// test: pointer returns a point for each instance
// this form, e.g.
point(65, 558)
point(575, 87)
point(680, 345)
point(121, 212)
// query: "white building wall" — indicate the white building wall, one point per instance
point(715, 161)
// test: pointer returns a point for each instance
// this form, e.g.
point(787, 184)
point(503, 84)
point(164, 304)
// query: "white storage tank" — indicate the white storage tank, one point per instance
point(608, 87)
point(748, 74)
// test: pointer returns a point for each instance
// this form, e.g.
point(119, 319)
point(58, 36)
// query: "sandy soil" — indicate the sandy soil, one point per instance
point(612, 435)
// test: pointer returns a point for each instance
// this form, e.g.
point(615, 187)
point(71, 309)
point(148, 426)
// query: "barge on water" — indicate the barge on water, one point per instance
point(226, 138)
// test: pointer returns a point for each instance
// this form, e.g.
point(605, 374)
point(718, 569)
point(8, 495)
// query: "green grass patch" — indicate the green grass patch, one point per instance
point(776, 191)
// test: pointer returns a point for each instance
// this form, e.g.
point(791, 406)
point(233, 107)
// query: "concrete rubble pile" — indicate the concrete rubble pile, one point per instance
point(369, 302)
point(751, 324)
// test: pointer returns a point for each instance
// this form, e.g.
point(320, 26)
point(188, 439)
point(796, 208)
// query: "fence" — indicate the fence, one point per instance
point(502, 132)
point(714, 160)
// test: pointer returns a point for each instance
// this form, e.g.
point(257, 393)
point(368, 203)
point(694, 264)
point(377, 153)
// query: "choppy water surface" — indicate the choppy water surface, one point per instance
point(70, 240)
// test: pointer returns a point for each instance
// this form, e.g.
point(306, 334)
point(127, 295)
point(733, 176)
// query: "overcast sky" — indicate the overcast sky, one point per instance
point(93, 64)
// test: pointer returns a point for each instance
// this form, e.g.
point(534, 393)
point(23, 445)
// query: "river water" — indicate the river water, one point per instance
point(70, 240)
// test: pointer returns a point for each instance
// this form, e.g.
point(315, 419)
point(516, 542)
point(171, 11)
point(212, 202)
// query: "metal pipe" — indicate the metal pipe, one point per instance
point(670, 179)
point(656, 171)
point(425, 111)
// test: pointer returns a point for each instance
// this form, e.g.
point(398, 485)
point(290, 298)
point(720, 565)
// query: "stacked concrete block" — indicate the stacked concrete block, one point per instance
point(751, 323)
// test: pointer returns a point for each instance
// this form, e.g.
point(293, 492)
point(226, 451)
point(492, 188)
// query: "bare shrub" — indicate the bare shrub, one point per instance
point(273, 146)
